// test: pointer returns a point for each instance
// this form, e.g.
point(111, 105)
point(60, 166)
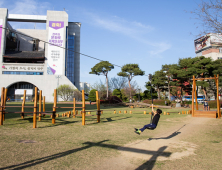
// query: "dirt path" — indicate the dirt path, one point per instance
point(170, 145)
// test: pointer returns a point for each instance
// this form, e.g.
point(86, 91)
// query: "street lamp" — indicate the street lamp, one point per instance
point(139, 95)
point(57, 77)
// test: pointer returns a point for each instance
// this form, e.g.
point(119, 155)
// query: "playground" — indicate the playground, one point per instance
point(179, 142)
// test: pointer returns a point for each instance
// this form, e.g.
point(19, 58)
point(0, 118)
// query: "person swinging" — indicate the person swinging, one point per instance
point(153, 122)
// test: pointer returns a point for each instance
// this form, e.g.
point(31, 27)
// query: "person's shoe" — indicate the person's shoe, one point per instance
point(136, 129)
point(138, 132)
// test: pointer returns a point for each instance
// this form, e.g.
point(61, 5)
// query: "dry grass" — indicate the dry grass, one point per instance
point(69, 145)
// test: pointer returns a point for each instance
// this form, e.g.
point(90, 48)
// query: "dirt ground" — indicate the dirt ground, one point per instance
point(147, 154)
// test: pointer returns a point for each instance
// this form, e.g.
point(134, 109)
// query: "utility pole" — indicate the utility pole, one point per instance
point(58, 77)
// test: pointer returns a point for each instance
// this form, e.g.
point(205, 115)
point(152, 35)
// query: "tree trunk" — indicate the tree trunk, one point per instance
point(158, 93)
point(205, 93)
point(169, 90)
point(181, 93)
point(130, 89)
point(107, 88)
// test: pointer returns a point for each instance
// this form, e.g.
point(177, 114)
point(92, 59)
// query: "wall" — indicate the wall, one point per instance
point(26, 43)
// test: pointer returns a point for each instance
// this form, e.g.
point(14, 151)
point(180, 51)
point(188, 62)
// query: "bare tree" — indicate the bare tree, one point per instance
point(65, 91)
point(77, 94)
point(130, 91)
point(101, 88)
point(118, 82)
point(209, 13)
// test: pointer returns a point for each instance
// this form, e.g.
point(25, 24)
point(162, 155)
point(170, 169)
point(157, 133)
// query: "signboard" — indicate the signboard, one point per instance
point(21, 91)
point(22, 68)
point(1, 24)
point(208, 40)
point(55, 54)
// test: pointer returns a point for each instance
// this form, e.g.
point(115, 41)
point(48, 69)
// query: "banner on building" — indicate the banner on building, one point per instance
point(21, 91)
point(55, 54)
point(211, 39)
point(1, 24)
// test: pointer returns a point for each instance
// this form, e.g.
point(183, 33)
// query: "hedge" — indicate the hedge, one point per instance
point(187, 102)
point(213, 104)
point(157, 102)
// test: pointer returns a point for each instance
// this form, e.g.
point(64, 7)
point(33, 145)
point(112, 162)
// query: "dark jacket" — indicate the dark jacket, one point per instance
point(156, 119)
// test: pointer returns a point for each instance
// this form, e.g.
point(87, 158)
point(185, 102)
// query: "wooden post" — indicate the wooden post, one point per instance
point(218, 101)
point(40, 105)
point(5, 98)
point(83, 108)
point(98, 106)
point(195, 92)
point(23, 104)
point(2, 104)
point(43, 109)
point(120, 111)
point(114, 111)
point(54, 106)
point(130, 111)
point(193, 96)
point(35, 109)
point(74, 107)
point(144, 112)
point(76, 112)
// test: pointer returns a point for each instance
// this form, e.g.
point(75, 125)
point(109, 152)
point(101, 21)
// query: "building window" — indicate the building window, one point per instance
point(220, 50)
point(22, 73)
point(70, 58)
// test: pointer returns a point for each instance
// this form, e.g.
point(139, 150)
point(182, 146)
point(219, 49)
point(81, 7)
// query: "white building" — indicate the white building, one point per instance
point(209, 45)
point(28, 62)
point(85, 86)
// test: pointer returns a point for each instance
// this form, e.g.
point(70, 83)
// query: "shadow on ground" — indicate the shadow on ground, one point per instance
point(147, 165)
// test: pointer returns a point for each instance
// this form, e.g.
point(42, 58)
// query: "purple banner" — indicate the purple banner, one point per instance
point(56, 24)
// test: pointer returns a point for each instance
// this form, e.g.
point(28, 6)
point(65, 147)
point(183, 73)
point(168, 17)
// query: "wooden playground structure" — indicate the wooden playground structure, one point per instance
point(42, 112)
point(199, 113)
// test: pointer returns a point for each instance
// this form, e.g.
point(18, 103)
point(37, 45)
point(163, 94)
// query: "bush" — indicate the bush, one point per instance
point(157, 102)
point(117, 92)
point(111, 100)
point(92, 95)
point(187, 102)
point(212, 104)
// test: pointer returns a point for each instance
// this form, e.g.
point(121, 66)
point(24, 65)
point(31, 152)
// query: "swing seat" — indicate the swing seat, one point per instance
point(150, 128)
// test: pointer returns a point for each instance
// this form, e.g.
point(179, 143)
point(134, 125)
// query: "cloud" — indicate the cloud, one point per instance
point(117, 24)
point(160, 48)
point(27, 7)
point(30, 7)
point(132, 29)
point(1, 3)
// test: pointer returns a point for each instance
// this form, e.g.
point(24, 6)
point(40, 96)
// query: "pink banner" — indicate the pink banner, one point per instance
point(0, 37)
point(1, 23)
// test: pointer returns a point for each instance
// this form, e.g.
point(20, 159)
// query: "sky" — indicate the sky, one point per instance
point(144, 32)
